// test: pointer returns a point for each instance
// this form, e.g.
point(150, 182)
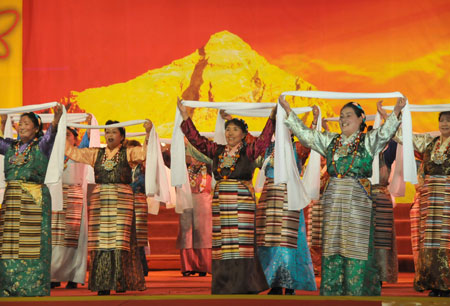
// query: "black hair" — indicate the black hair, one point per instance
point(443, 113)
point(121, 129)
point(359, 113)
point(37, 122)
point(73, 131)
point(133, 143)
point(239, 123)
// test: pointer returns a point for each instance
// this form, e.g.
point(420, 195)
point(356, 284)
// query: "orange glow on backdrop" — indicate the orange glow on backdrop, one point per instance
point(129, 59)
point(361, 46)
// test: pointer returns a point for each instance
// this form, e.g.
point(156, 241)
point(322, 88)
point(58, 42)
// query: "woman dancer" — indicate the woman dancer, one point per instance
point(115, 263)
point(25, 215)
point(348, 266)
point(281, 233)
point(235, 264)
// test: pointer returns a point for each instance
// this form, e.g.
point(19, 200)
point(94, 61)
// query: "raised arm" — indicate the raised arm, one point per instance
point(85, 156)
point(377, 138)
point(310, 138)
point(262, 142)
point(420, 141)
point(137, 155)
point(202, 144)
point(47, 141)
point(191, 151)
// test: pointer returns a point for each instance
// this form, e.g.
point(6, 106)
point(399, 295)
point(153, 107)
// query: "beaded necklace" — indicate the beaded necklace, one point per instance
point(439, 157)
point(21, 158)
point(225, 157)
point(109, 164)
point(194, 171)
point(338, 143)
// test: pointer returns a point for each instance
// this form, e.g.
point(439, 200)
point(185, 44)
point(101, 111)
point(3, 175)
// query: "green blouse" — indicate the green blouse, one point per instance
point(370, 144)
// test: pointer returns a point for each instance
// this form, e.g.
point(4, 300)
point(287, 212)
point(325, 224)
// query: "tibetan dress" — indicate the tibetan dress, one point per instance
point(112, 244)
point(348, 262)
point(25, 218)
point(235, 265)
point(281, 233)
point(432, 268)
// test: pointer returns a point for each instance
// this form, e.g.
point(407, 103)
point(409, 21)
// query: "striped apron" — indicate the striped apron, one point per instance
point(21, 222)
point(66, 223)
point(347, 210)
point(233, 219)
point(110, 217)
point(434, 230)
point(141, 213)
point(384, 217)
point(275, 224)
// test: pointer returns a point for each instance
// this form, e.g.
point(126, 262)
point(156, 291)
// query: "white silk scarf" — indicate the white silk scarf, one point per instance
point(56, 161)
point(409, 165)
point(397, 185)
point(179, 176)
point(156, 182)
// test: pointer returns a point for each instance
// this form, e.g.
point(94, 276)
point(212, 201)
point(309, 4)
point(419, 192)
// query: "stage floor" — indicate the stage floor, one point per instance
point(172, 282)
point(171, 288)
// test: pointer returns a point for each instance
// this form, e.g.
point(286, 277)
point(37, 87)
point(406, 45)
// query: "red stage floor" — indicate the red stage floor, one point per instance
point(170, 288)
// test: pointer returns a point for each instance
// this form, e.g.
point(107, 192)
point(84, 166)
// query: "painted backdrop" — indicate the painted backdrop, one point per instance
point(130, 59)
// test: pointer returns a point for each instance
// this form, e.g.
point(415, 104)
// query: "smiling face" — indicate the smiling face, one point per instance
point(444, 125)
point(349, 121)
point(113, 138)
point(233, 135)
point(27, 129)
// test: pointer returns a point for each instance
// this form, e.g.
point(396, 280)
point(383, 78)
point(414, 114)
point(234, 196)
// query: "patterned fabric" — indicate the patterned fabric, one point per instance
point(435, 213)
point(275, 224)
point(432, 269)
point(117, 269)
point(414, 215)
point(244, 167)
point(347, 209)
point(385, 240)
point(361, 167)
point(20, 221)
point(384, 217)
point(431, 168)
point(288, 267)
point(349, 276)
point(120, 174)
point(141, 213)
point(233, 215)
point(21, 276)
point(315, 224)
point(138, 179)
point(110, 217)
point(66, 223)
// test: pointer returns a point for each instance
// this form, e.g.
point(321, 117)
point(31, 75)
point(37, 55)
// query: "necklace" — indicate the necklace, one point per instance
point(21, 158)
point(439, 157)
point(194, 171)
point(109, 164)
point(335, 147)
point(228, 160)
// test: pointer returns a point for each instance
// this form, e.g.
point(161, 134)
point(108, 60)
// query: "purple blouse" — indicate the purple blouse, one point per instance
point(45, 143)
point(244, 164)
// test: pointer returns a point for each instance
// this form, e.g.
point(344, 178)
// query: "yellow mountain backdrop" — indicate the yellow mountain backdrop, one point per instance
point(225, 69)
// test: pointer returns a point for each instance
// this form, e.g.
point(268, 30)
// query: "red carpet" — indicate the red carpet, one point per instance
point(170, 288)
